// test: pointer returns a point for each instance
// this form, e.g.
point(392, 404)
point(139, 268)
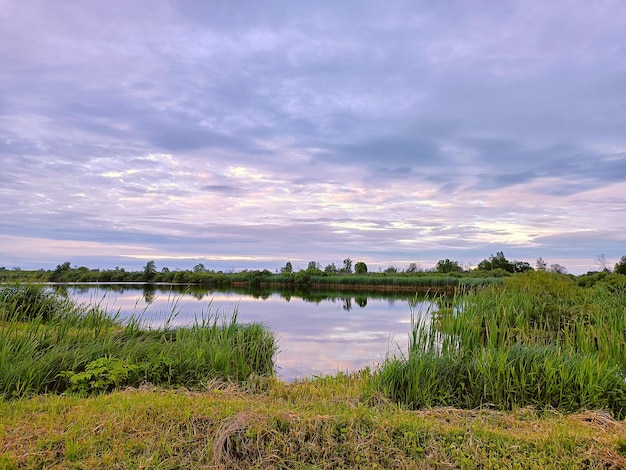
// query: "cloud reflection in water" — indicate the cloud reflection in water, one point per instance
point(315, 338)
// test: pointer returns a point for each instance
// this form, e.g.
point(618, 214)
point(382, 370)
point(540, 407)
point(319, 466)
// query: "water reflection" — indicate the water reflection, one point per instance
point(318, 332)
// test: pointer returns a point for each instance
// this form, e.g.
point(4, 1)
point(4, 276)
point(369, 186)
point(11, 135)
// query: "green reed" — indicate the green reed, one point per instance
point(80, 348)
point(377, 280)
point(537, 340)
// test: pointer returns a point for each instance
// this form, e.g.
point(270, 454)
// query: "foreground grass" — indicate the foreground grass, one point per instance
point(321, 423)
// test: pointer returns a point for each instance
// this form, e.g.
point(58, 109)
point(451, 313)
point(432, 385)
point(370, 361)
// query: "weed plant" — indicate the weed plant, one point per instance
point(85, 350)
point(537, 340)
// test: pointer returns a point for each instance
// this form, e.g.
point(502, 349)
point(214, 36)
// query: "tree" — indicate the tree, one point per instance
point(413, 268)
point(603, 263)
point(59, 272)
point(331, 268)
point(288, 269)
point(360, 268)
point(199, 268)
point(558, 269)
point(448, 266)
point(63, 267)
point(541, 265)
point(313, 266)
point(620, 266)
point(149, 271)
point(347, 266)
point(521, 266)
point(496, 262)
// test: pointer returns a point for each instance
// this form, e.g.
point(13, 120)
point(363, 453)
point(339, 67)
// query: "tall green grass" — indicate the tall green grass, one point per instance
point(83, 349)
point(29, 302)
point(515, 377)
point(537, 340)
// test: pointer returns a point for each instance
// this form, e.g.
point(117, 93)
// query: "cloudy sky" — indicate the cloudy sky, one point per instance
point(246, 134)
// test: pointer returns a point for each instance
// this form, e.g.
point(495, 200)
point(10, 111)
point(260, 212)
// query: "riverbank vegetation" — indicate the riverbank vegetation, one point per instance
point(311, 278)
point(538, 340)
point(48, 344)
point(446, 277)
point(526, 373)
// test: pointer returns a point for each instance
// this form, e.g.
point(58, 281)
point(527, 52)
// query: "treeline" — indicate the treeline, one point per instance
point(447, 274)
point(305, 278)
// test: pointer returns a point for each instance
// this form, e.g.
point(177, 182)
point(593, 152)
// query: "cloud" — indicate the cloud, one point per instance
point(405, 131)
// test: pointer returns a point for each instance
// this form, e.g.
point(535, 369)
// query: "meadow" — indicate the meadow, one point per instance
point(526, 373)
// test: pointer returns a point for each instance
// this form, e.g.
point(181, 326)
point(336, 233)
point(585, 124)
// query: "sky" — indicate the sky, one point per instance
point(243, 135)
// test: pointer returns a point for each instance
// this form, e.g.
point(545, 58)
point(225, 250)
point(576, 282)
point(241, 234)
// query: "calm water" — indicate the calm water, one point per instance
point(317, 333)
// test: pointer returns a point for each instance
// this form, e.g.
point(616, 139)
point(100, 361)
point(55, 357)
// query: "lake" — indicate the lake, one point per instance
point(318, 333)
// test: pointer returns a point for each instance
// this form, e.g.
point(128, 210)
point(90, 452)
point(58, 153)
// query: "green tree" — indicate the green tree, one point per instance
point(448, 266)
point(313, 266)
point(149, 271)
point(347, 266)
point(60, 271)
point(288, 269)
point(199, 268)
point(63, 267)
point(331, 269)
point(620, 266)
point(521, 266)
point(496, 262)
point(360, 268)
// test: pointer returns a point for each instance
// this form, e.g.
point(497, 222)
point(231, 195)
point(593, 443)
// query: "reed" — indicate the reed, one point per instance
point(83, 349)
point(537, 340)
point(375, 280)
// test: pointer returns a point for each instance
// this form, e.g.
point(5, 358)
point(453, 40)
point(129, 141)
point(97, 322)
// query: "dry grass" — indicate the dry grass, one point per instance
point(312, 424)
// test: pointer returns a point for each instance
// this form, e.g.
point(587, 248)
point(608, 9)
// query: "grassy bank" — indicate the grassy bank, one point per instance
point(538, 340)
point(49, 344)
point(537, 363)
point(319, 424)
